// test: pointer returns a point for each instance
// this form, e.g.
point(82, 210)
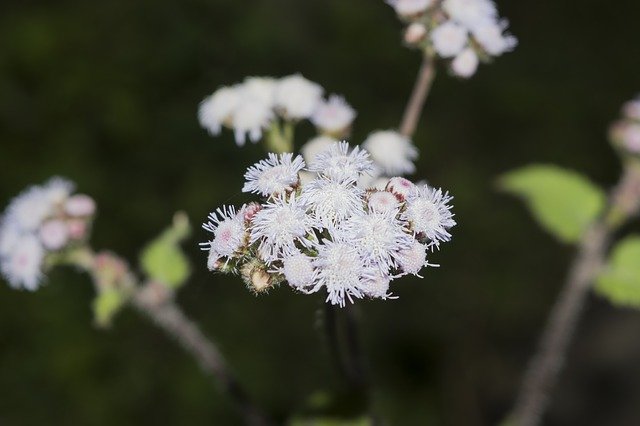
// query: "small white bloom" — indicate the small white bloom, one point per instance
point(298, 271)
point(400, 187)
point(297, 96)
point(249, 117)
point(378, 288)
point(275, 175)
point(22, 267)
point(280, 226)
point(10, 234)
point(382, 201)
point(216, 109)
point(391, 152)
point(334, 115)
point(332, 201)
point(80, 205)
point(470, 13)
point(465, 64)
point(413, 258)
point(449, 39)
point(379, 236)
point(491, 38)
point(316, 146)
point(58, 189)
point(54, 234)
point(410, 7)
point(415, 33)
point(229, 234)
point(30, 208)
point(339, 164)
point(261, 89)
point(429, 213)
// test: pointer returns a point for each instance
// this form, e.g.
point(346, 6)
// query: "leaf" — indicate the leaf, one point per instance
point(163, 260)
point(106, 304)
point(620, 280)
point(564, 202)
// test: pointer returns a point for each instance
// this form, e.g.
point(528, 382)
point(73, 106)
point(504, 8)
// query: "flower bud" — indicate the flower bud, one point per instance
point(415, 33)
point(400, 187)
point(80, 205)
point(54, 234)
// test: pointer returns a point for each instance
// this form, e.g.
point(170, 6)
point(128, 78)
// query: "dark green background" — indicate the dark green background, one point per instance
point(106, 94)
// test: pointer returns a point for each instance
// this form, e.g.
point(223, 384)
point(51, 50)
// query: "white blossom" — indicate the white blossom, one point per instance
point(297, 97)
point(54, 234)
point(298, 271)
point(275, 175)
point(316, 146)
point(378, 287)
point(331, 201)
point(260, 89)
point(30, 208)
point(449, 39)
point(382, 201)
point(415, 33)
point(400, 187)
point(491, 38)
point(339, 164)
point(80, 205)
point(229, 234)
point(22, 267)
point(410, 7)
point(429, 213)
point(413, 258)
point(217, 108)
point(465, 64)
point(250, 117)
point(333, 115)
point(470, 13)
point(392, 152)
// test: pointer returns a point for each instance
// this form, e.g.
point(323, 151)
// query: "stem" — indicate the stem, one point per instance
point(545, 366)
point(419, 94)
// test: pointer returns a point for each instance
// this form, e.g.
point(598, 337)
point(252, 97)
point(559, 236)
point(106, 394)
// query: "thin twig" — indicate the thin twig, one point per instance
point(418, 96)
point(544, 368)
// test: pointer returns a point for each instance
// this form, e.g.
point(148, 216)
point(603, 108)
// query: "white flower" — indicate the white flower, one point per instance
point(298, 271)
point(275, 175)
point(382, 201)
point(229, 234)
point(249, 117)
point(334, 115)
point(410, 7)
point(465, 64)
point(339, 164)
point(490, 37)
point(470, 13)
point(22, 267)
point(30, 208)
point(400, 187)
point(261, 89)
point(341, 271)
point(297, 96)
point(379, 236)
point(54, 234)
point(391, 152)
point(415, 33)
point(80, 205)
point(413, 258)
point(216, 109)
point(449, 39)
point(378, 288)
point(58, 189)
point(279, 226)
point(10, 234)
point(429, 213)
point(330, 201)
point(315, 146)
point(374, 181)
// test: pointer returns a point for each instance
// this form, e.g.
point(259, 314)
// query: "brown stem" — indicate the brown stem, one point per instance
point(545, 366)
point(418, 96)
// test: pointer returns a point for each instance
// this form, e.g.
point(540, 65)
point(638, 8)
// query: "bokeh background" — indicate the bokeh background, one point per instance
point(106, 93)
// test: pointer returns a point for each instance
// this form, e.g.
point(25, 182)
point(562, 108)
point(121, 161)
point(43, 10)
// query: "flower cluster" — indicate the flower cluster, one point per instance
point(625, 133)
point(43, 219)
point(328, 233)
point(255, 105)
point(462, 32)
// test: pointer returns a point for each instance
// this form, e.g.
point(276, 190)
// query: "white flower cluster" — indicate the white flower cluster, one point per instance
point(328, 233)
point(461, 31)
point(625, 133)
point(41, 220)
point(254, 105)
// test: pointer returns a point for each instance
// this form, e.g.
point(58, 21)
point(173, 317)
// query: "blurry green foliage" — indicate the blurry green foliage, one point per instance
point(620, 279)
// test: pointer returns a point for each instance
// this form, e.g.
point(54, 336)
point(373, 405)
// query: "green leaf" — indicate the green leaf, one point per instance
point(564, 202)
point(106, 304)
point(620, 279)
point(163, 260)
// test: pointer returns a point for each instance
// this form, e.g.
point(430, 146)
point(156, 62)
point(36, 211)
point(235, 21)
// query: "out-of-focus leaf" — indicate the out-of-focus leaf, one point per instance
point(106, 304)
point(563, 202)
point(620, 280)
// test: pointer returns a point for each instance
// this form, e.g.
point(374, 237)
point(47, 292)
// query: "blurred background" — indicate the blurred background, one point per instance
point(106, 94)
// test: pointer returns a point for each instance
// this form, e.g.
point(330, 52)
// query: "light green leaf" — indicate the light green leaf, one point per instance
point(620, 280)
point(106, 304)
point(564, 202)
point(163, 260)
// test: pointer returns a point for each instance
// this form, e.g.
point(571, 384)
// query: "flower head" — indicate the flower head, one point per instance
point(429, 213)
point(297, 97)
point(250, 116)
point(392, 153)
point(277, 174)
point(315, 146)
point(23, 265)
point(410, 7)
point(330, 201)
point(449, 39)
point(333, 116)
point(216, 109)
point(229, 234)
point(465, 64)
point(298, 271)
point(339, 164)
point(413, 258)
point(382, 201)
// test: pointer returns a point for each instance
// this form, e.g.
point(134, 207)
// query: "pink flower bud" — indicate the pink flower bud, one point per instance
point(400, 187)
point(54, 234)
point(80, 205)
point(415, 33)
point(77, 228)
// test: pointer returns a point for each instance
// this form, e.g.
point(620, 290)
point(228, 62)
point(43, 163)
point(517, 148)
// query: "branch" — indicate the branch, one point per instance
point(419, 94)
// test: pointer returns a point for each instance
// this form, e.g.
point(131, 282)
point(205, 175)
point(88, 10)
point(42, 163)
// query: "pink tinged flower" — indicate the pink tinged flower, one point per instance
point(415, 33)
point(330, 202)
point(10, 235)
point(22, 267)
point(631, 138)
point(334, 115)
point(77, 229)
point(216, 110)
point(30, 208)
point(449, 39)
point(407, 8)
point(80, 205)
point(465, 64)
point(296, 97)
point(338, 163)
point(54, 234)
point(391, 152)
point(299, 272)
point(413, 258)
point(429, 214)
point(382, 201)
point(248, 211)
point(276, 175)
point(229, 234)
point(400, 187)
